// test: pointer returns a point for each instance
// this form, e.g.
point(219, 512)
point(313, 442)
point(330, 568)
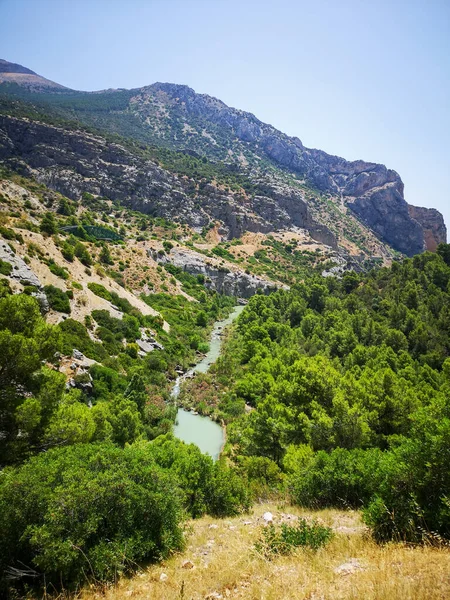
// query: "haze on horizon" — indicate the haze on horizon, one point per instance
point(361, 80)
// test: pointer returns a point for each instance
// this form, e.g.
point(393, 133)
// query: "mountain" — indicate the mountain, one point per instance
point(178, 151)
point(13, 73)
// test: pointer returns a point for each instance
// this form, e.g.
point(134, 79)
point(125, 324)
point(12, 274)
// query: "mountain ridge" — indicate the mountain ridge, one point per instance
point(176, 117)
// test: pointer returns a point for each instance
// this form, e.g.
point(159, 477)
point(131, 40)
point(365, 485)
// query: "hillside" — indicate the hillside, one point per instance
point(221, 562)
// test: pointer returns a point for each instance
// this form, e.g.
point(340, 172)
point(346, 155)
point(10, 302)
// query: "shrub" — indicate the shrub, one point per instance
point(342, 478)
point(90, 509)
point(5, 267)
point(57, 299)
point(64, 208)
point(412, 502)
point(10, 234)
point(68, 252)
point(57, 270)
point(286, 538)
point(105, 255)
point(74, 335)
point(48, 224)
point(82, 254)
point(208, 487)
point(100, 290)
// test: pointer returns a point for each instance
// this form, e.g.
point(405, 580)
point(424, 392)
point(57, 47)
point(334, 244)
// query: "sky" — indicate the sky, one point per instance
point(363, 80)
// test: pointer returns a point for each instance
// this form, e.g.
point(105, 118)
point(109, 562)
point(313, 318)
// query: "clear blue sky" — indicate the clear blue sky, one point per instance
point(359, 79)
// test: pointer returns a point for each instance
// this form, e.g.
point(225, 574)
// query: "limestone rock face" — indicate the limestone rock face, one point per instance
point(165, 114)
point(386, 212)
point(222, 280)
point(22, 273)
point(372, 191)
point(433, 225)
point(73, 162)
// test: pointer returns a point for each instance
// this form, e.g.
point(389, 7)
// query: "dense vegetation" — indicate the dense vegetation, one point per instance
point(83, 493)
point(348, 387)
point(95, 509)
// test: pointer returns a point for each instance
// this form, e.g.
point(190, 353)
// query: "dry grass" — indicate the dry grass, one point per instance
point(225, 566)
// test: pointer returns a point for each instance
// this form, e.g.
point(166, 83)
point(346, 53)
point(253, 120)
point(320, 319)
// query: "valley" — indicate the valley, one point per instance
point(175, 270)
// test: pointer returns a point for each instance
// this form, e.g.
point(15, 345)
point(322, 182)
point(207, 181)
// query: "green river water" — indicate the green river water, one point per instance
point(193, 428)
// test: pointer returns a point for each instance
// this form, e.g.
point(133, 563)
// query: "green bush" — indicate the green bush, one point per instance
point(342, 478)
point(74, 335)
point(81, 252)
point(48, 224)
point(57, 299)
point(5, 267)
point(412, 502)
point(208, 486)
point(105, 255)
point(286, 538)
point(10, 234)
point(57, 270)
point(68, 252)
point(88, 511)
point(122, 303)
point(100, 290)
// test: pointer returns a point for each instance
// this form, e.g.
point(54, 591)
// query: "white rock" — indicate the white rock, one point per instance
point(163, 577)
point(349, 567)
point(268, 517)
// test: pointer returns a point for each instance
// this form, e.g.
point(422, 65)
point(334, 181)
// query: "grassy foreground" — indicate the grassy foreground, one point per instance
point(219, 562)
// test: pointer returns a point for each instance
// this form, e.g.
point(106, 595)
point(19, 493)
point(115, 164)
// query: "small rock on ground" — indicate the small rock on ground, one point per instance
point(349, 567)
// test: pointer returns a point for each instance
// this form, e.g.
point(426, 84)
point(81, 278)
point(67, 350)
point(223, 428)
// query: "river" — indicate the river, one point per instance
point(196, 429)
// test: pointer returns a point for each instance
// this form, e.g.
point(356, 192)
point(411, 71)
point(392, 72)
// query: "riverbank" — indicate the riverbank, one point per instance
point(193, 426)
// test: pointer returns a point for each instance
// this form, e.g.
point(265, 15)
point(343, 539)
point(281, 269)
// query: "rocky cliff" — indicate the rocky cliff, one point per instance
point(73, 162)
point(221, 279)
point(372, 191)
point(434, 229)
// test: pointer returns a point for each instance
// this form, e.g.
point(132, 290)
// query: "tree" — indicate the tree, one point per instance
point(105, 255)
point(64, 208)
point(88, 509)
point(201, 320)
point(28, 391)
point(48, 224)
point(81, 252)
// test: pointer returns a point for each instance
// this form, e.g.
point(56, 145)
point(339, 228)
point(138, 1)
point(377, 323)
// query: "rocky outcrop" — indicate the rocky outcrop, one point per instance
point(433, 225)
point(175, 116)
point(22, 273)
point(385, 211)
point(217, 277)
